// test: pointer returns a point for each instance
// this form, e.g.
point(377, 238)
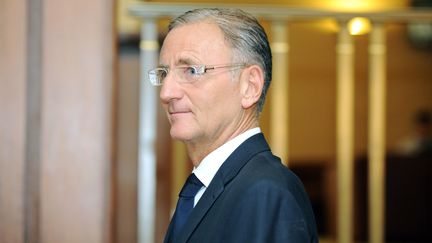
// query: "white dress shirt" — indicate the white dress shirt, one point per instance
point(208, 167)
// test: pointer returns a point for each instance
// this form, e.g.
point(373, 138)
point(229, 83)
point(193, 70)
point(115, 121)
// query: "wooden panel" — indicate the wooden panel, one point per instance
point(12, 115)
point(127, 149)
point(76, 121)
point(33, 121)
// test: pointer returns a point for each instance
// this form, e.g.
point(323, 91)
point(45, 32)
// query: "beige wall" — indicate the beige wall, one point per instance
point(73, 72)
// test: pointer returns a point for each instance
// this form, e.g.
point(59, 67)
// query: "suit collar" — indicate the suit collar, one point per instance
point(211, 163)
point(230, 168)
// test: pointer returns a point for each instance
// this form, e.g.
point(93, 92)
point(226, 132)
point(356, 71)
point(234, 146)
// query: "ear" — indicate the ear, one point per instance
point(252, 82)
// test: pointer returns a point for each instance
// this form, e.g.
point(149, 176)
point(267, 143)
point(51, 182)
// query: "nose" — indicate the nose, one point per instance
point(171, 89)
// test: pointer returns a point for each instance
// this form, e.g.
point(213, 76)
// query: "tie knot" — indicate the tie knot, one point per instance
point(191, 187)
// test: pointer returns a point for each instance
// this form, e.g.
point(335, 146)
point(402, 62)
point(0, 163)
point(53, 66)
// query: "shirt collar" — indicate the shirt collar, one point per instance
point(208, 167)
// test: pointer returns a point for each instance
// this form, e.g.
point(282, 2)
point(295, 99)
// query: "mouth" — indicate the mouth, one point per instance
point(176, 114)
point(171, 112)
point(175, 111)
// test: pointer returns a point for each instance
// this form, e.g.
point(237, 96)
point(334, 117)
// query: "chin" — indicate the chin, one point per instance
point(185, 131)
point(180, 135)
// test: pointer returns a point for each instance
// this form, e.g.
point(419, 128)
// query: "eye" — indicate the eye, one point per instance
point(192, 70)
point(162, 73)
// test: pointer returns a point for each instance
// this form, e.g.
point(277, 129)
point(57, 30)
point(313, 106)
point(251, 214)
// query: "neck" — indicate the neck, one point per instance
point(198, 150)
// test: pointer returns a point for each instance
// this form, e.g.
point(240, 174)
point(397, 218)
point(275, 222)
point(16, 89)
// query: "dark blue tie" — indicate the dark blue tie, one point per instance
point(185, 203)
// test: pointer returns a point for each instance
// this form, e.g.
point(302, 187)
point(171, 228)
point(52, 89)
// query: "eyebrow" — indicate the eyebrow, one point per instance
point(185, 61)
point(181, 61)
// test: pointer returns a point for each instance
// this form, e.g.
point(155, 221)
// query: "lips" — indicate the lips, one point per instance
point(175, 110)
point(177, 113)
point(172, 109)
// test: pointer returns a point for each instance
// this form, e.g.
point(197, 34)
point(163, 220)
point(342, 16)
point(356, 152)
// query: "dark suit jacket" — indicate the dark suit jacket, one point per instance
point(252, 198)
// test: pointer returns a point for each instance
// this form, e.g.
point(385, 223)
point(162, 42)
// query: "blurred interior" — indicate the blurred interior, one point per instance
point(70, 100)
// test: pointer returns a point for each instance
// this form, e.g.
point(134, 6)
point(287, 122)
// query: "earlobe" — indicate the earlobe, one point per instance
point(252, 85)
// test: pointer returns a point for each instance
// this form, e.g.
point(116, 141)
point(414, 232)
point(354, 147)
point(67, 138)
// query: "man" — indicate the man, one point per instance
point(215, 69)
point(420, 142)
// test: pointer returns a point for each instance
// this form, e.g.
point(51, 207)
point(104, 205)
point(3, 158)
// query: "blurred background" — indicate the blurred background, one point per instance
point(74, 114)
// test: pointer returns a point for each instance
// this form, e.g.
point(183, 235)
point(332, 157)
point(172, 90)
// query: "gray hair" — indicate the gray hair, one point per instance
point(243, 32)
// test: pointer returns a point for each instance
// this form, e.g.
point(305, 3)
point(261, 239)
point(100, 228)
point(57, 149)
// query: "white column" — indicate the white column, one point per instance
point(345, 133)
point(147, 134)
point(279, 96)
point(377, 109)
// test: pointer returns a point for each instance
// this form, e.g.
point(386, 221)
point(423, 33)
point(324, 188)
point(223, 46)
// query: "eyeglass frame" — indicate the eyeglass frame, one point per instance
point(199, 70)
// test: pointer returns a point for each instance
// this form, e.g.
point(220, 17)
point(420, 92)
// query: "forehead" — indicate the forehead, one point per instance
point(201, 42)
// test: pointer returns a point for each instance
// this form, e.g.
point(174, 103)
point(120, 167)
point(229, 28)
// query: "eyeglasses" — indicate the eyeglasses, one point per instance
point(186, 73)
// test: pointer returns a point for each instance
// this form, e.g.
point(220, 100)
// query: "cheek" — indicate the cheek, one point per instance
point(216, 98)
point(221, 103)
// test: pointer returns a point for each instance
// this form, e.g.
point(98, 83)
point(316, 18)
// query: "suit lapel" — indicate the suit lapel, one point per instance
point(168, 234)
point(229, 169)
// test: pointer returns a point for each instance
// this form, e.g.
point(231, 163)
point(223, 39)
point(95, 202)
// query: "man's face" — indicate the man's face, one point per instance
point(210, 108)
